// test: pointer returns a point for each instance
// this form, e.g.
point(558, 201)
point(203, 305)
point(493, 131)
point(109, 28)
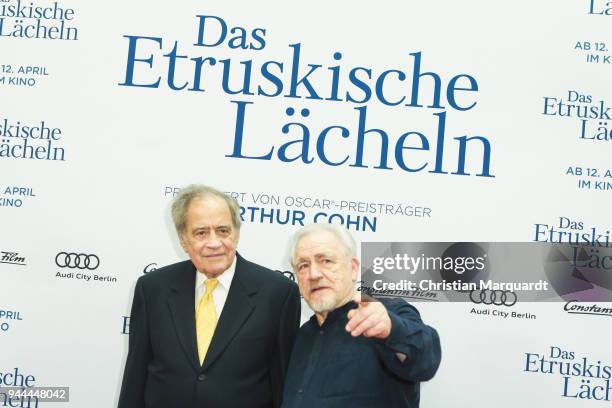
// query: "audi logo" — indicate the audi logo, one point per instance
point(494, 297)
point(79, 261)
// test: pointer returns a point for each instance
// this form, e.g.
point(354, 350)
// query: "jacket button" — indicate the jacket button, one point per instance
point(201, 377)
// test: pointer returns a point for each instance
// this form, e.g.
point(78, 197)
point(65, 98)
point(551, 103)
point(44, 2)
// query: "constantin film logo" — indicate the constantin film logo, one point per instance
point(575, 307)
point(150, 268)
point(287, 274)
point(12, 258)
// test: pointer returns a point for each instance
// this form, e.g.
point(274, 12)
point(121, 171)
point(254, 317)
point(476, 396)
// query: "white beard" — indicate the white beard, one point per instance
point(326, 304)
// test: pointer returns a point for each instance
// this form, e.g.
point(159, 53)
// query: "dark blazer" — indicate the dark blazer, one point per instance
point(249, 353)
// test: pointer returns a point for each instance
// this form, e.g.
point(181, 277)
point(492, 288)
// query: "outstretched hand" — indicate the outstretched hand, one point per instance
point(369, 319)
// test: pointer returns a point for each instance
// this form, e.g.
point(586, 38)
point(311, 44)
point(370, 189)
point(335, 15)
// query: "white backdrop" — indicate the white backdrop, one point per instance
point(123, 150)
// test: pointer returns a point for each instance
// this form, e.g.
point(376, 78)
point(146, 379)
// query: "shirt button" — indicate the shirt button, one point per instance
point(321, 332)
point(300, 391)
point(201, 377)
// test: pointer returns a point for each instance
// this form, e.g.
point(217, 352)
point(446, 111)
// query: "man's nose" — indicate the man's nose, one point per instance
point(213, 240)
point(315, 273)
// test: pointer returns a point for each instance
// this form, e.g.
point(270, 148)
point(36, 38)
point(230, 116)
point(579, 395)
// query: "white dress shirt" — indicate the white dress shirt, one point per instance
point(221, 291)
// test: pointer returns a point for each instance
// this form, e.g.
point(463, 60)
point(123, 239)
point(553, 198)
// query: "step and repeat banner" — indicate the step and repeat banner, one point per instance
point(446, 121)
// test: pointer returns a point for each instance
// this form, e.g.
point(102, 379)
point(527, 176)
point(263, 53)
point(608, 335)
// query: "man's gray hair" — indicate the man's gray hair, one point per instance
point(343, 235)
point(181, 202)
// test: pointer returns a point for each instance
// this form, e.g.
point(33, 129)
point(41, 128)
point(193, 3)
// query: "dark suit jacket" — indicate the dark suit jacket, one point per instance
point(249, 353)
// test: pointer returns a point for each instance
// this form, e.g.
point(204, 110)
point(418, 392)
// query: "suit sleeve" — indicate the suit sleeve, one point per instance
point(288, 328)
point(139, 354)
point(410, 336)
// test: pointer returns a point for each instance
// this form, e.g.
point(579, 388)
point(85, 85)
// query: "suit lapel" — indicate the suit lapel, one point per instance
point(182, 308)
point(237, 309)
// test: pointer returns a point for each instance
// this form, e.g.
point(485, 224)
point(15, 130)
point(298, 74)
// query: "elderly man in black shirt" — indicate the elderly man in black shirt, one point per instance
point(352, 353)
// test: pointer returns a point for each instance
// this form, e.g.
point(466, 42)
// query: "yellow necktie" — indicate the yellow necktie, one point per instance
point(206, 319)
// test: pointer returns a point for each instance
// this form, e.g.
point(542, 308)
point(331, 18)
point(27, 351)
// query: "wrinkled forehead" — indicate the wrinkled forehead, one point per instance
point(211, 211)
point(320, 244)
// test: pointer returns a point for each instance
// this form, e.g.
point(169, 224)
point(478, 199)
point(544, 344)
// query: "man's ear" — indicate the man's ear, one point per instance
point(354, 268)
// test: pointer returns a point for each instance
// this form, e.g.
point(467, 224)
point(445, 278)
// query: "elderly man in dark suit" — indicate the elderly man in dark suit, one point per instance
point(213, 331)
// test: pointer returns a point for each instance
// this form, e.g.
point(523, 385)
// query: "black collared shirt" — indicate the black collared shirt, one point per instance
point(329, 368)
